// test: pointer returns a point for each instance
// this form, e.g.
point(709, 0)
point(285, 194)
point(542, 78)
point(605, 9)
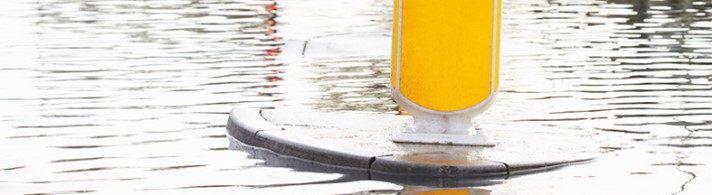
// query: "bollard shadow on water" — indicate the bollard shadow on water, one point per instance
point(273, 159)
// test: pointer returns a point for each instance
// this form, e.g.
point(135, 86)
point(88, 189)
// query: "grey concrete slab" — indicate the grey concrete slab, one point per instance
point(352, 174)
point(523, 167)
point(361, 141)
point(312, 150)
point(437, 164)
point(246, 123)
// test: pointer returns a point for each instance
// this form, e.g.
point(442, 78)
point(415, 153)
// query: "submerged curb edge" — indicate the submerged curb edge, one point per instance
point(250, 127)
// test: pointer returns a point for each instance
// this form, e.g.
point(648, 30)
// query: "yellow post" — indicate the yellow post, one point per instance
point(445, 67)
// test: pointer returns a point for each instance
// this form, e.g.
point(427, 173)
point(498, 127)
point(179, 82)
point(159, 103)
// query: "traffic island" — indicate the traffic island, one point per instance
point(361, 143)
point(443, 74)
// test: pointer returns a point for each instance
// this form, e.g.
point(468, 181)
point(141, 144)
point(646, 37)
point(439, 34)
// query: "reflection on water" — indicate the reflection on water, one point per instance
point(640, 67)
point(132, 96)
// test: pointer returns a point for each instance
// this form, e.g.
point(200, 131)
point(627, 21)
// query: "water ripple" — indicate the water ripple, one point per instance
point(127, 96)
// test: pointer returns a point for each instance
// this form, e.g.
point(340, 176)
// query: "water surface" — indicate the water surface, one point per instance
point(132, 96)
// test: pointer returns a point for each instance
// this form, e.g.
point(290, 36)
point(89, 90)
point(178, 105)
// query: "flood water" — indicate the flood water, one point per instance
point(112, 96)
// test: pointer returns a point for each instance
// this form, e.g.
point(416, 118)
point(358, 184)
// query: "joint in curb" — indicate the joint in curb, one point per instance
point(250, 127)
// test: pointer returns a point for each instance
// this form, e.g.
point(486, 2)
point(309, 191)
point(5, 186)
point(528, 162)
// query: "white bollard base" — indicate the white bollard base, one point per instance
point(479, 138)
point(448, 128)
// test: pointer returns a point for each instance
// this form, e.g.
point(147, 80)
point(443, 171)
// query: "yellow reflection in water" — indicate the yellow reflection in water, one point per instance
point(420, 190)
point(444, 192)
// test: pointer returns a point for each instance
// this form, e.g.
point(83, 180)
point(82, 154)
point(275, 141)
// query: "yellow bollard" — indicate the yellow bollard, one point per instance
point(445, 68)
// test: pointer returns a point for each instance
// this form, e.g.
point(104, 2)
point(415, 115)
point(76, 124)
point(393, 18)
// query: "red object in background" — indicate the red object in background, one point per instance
point(272, 52)
point(274, 78)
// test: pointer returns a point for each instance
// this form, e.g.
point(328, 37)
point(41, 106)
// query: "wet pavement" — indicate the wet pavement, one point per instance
point(132, 96)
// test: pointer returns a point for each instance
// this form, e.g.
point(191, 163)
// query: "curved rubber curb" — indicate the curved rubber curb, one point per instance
point(249, 127)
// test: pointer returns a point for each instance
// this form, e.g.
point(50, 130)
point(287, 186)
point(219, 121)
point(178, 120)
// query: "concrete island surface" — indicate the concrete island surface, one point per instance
point(359, 143)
